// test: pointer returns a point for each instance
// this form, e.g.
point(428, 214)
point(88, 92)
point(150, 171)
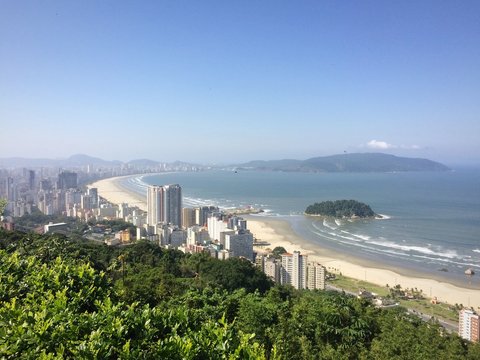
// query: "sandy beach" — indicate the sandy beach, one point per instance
point(113, 192)
point(279, 233)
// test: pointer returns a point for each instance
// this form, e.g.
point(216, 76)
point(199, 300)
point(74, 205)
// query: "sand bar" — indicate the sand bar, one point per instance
point(280, 233)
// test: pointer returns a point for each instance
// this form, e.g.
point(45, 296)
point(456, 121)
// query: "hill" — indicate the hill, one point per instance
point(357, 162)
point(341, 209)
point(67, 299)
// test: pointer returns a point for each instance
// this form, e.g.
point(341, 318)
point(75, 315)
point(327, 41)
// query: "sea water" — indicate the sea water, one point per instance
point(431, 220)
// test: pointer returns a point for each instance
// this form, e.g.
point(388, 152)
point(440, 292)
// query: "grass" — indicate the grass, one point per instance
point(441, 311)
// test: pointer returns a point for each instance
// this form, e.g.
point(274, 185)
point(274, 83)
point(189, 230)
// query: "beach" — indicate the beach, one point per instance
point(279, 233)
point(111, 190)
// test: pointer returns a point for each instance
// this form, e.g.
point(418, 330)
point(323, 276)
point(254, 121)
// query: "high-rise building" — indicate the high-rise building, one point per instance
point(188, 217)
point(10, 189)
point(164, 204)
point(294, 268)
point(93, 192)
point(468, 325)
point(202, 213)
point(272, 269)
point(67, 180)
point(240, 244)
point(31, 179)
point(315, 276)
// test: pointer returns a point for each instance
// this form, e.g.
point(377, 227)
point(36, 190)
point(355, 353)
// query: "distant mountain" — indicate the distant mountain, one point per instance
point(77, 160)
point(84, 160)
point(358, 162)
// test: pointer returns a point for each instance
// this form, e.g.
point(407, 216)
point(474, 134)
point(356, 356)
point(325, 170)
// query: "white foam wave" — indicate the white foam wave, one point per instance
point(476, 250)
point(449, 254)
point(326, 224)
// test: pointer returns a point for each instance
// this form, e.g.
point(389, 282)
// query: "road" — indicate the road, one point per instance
point(450, 326)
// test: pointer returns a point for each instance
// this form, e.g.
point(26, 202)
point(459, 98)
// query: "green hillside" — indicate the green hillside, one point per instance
point(61, 299)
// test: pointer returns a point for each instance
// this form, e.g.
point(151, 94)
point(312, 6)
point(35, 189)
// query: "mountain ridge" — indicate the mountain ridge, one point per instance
point(355, 162)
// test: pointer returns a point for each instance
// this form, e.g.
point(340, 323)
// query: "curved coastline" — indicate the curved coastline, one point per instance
point(279, 232)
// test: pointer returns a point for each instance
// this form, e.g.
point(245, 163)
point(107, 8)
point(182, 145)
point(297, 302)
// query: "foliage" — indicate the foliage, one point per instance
point(278, 251)
point(61, 298)
point(66, 310)
point(3, 205)
point(340, 209)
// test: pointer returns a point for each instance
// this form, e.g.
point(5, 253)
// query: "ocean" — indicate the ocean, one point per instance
point(431, 224)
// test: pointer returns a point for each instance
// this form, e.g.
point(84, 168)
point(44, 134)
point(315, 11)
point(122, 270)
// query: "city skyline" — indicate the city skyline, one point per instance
point(231, 82)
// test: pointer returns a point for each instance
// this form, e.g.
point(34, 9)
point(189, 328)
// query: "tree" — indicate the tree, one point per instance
point(3, 205)
point(278, 251)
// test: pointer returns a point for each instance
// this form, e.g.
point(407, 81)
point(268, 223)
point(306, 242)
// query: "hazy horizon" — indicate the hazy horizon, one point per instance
point(229, 82)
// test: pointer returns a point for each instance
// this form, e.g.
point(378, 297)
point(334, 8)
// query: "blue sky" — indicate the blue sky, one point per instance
point(224, 81)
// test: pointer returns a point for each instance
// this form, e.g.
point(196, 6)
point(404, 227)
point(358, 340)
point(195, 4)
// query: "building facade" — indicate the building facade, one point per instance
point(468, 325)
point(164, 204)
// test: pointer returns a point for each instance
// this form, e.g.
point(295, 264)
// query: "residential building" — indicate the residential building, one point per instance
point(67, 180)
point(294, 270)
point(188, 217)
point(240, 244)
point(164, 204)
point(315, 276)
point(468, 325)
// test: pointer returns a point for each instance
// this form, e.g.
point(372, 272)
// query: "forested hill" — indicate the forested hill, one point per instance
point(78, 300)
point(341, 209)
point(359, 162)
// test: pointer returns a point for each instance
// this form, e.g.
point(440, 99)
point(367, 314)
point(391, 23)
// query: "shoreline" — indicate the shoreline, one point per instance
point(110, 190)
point(278, 232)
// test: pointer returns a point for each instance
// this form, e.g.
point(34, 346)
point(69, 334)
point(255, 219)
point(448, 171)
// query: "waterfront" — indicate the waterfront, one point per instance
point(433, 218)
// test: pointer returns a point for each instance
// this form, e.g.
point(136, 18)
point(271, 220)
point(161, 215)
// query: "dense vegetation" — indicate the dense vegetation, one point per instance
point(359, 162)
point(340, 209)
point(65, 299)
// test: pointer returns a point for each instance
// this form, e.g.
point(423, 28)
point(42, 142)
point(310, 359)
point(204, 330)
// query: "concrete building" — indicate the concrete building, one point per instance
point(164, 204)
point(67, 180)
point(55, 228)
point(188, 217)
point(123, 236)
point(197, 235)
point(94, 200)
point(315, 276)
point(202, 214)
point(468, 325)
point(216, 225)
point(294, 270)
point(86, 202)
point(272, 269)
point(240, 244)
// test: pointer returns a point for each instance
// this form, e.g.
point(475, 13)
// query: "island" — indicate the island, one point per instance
point(341, 209)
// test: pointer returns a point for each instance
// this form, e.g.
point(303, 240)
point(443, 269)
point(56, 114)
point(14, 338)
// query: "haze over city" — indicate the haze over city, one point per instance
point(217, 81)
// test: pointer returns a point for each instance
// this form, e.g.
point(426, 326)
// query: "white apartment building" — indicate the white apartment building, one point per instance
point(468, 325)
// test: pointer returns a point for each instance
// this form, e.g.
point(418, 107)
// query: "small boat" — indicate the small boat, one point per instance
point(469, 271)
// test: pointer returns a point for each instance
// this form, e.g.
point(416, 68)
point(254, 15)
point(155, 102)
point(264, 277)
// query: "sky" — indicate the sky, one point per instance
point(229, 81)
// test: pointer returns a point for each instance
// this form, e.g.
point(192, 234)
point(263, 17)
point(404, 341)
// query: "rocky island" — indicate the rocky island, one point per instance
point(341, 209)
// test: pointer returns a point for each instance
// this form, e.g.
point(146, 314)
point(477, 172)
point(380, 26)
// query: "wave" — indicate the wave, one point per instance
point(450, 254)
point(325, 223)
point(476, 250)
